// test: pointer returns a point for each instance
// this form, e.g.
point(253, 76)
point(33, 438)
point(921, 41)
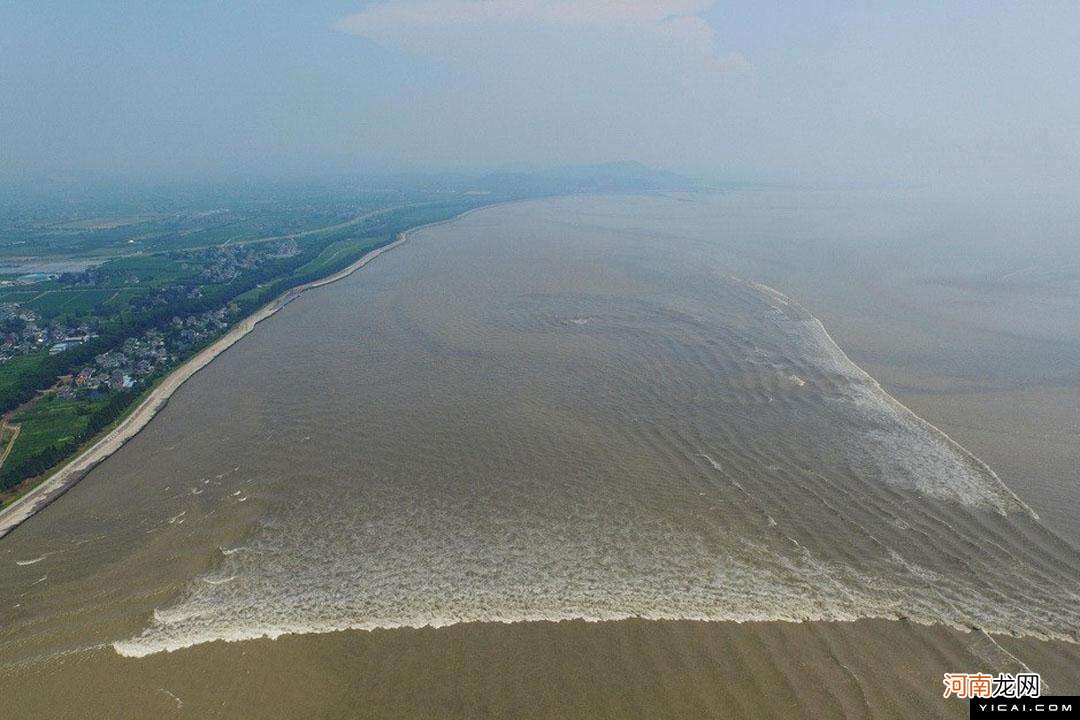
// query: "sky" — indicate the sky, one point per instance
point(953, 95)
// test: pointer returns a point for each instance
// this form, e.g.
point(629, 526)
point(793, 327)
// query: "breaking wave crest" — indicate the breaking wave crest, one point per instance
point(708, 455)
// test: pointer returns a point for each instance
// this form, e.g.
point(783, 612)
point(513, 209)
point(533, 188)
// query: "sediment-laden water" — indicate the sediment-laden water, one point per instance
point(534, 413)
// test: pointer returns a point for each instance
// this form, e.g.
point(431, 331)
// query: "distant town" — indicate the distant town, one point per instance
point(134, 361)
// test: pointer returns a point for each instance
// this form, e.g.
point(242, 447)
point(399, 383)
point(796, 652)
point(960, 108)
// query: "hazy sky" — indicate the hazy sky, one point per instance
point(979, 94)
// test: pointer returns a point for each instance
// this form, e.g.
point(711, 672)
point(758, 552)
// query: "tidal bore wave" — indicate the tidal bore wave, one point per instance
point(705, 454)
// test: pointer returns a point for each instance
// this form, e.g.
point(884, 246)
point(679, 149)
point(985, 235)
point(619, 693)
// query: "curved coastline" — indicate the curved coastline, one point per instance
point(77, 468)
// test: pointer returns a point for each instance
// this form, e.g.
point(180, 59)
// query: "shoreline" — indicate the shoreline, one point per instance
point(74, 470)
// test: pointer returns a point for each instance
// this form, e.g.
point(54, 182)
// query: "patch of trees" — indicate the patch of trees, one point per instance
point(12, 324)
point(18, 469)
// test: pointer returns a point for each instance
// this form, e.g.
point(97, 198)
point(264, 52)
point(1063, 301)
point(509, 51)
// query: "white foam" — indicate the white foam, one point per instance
point(714, 463)
point(838, 504)
point(218, 581)
point(30, 562)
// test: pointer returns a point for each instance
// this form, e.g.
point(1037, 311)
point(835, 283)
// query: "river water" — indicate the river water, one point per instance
point(559, 410)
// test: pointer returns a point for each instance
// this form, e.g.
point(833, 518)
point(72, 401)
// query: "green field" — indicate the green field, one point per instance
point(50, 429)
point(19, 293)
point(13, 374)
point(69, 304)
point(120, 281)
point(337, 254)
point(154, 270)
point(117, 300)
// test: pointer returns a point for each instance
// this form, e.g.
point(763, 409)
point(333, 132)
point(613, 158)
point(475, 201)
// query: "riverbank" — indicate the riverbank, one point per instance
point(74, 470)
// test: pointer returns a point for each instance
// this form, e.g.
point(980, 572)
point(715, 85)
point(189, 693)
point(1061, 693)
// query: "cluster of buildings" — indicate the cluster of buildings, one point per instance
point(195, 329)
point(223, 264)
point(227, 262)
point(22, 334)
point(120, 369)
point(139, 358)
